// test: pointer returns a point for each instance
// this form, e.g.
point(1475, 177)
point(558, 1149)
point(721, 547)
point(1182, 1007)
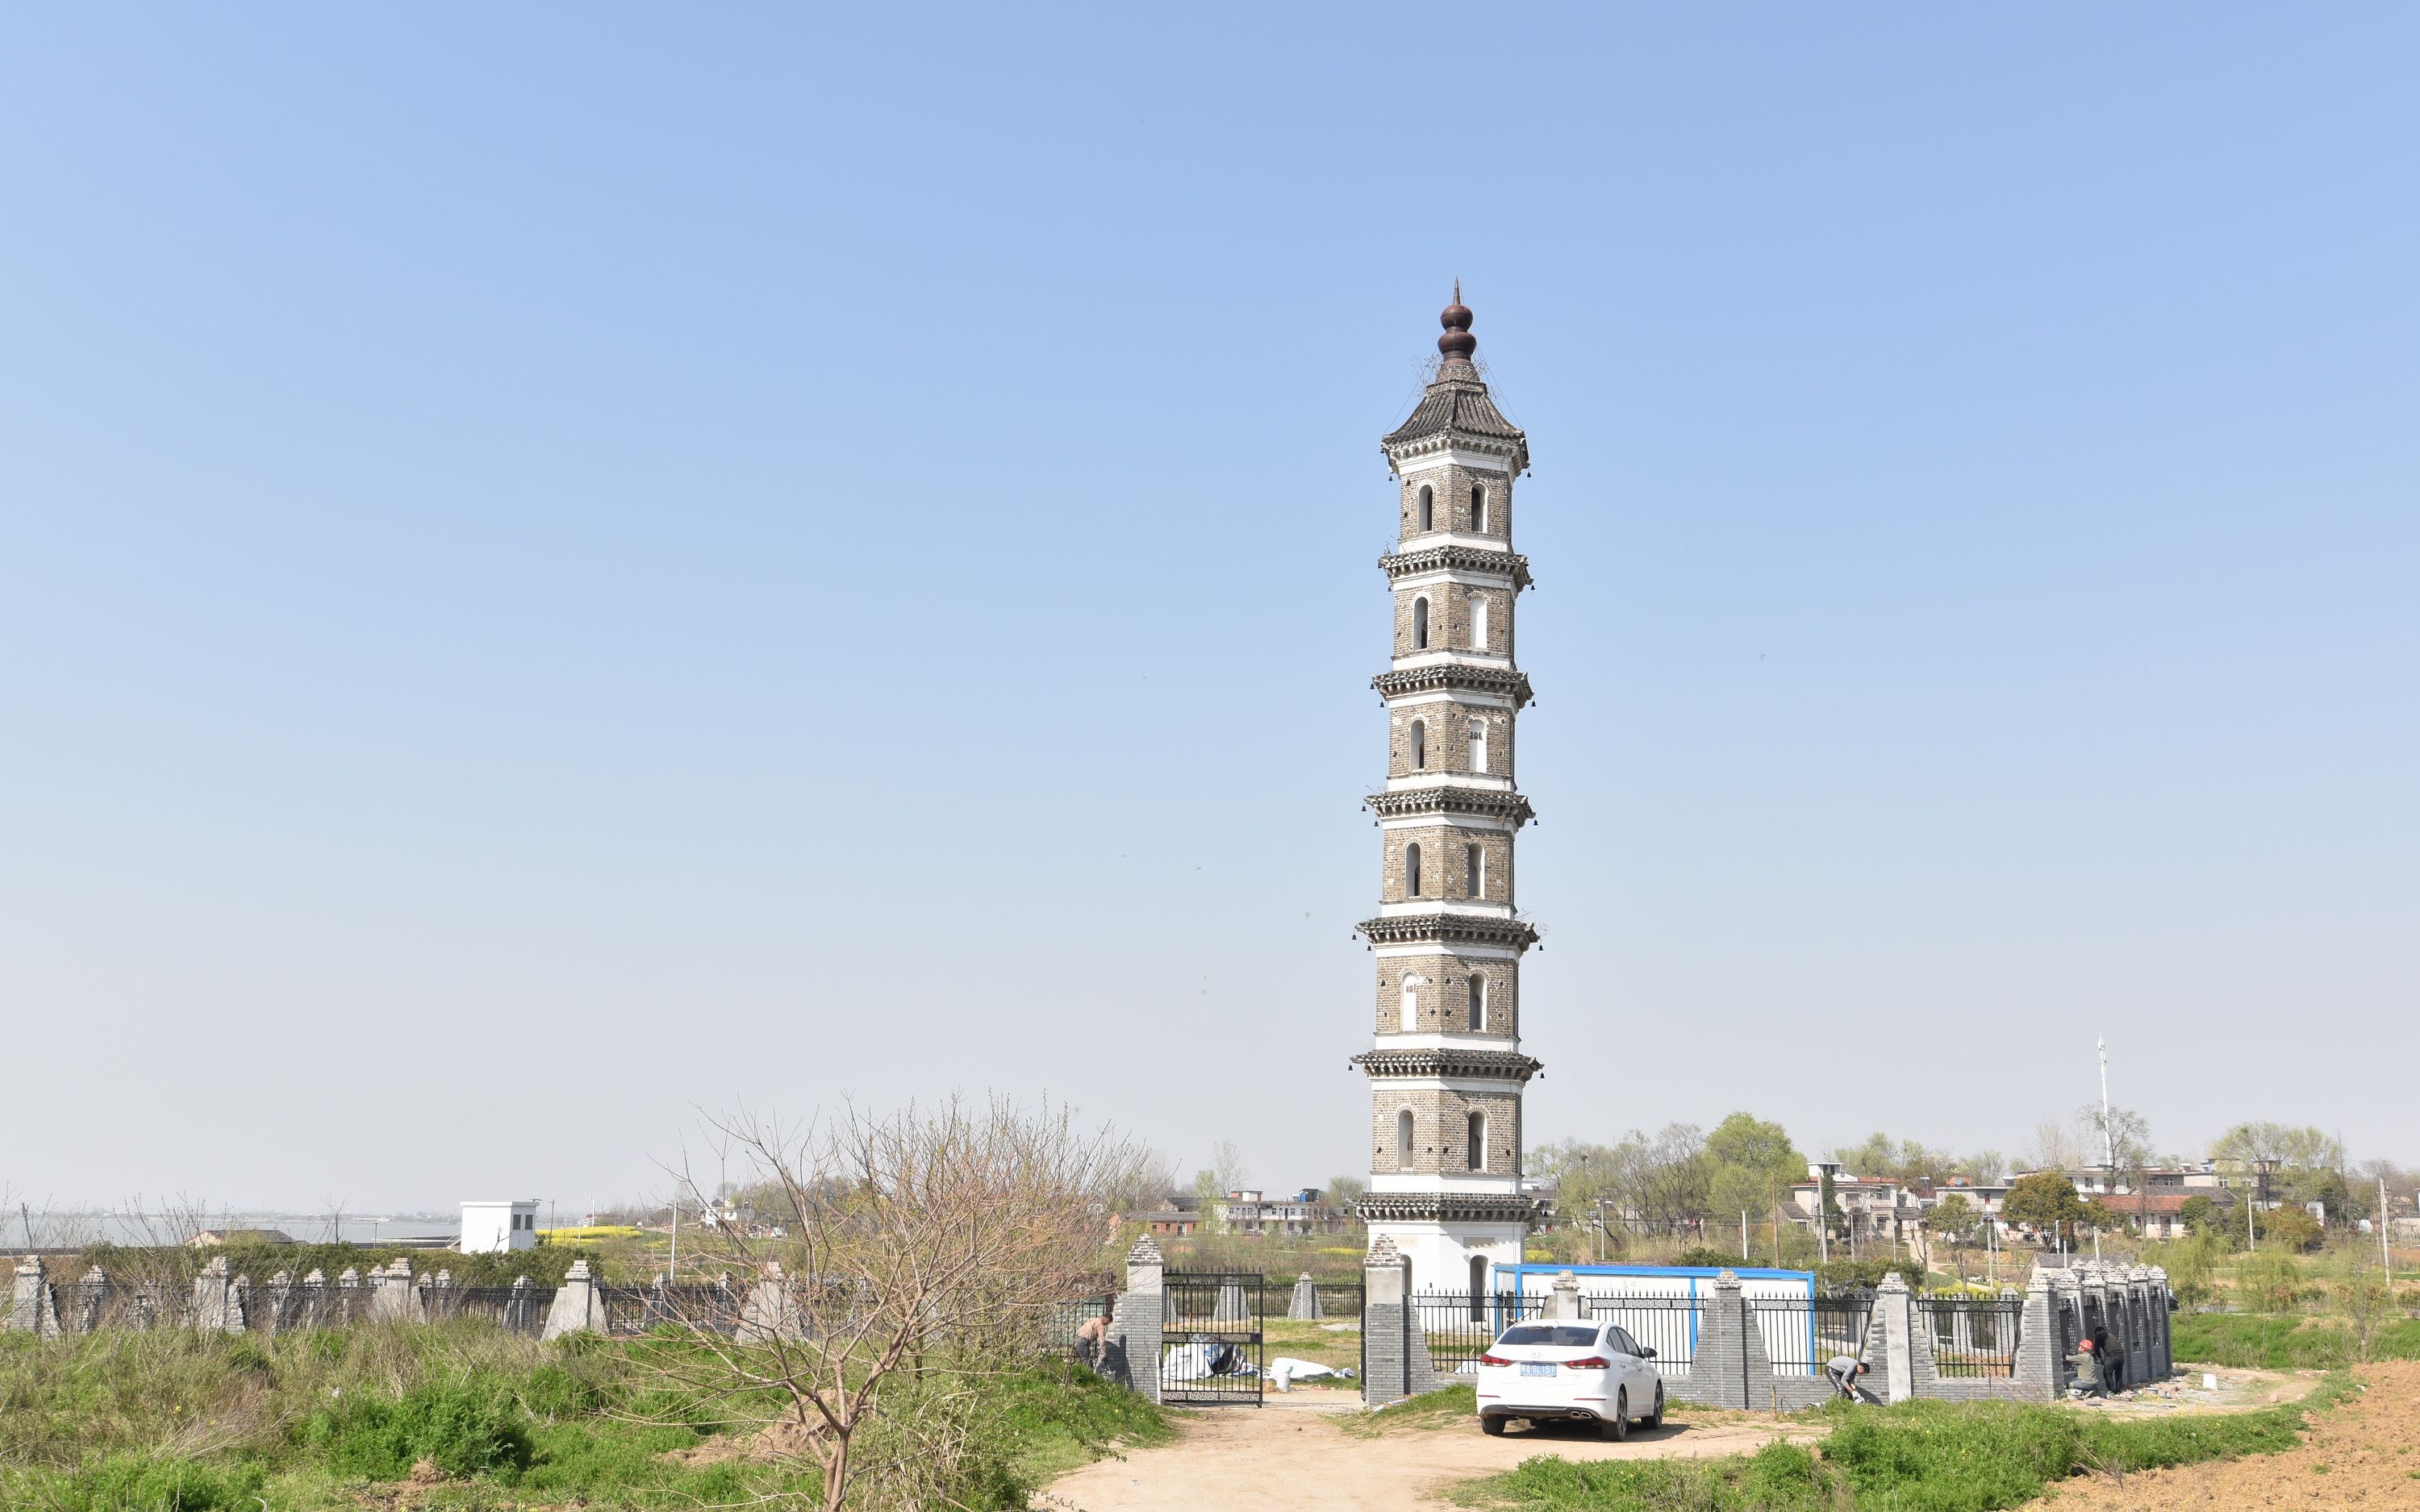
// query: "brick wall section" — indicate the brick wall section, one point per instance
point(1446, 743)
point(1452, 506)
point(1450, 614)
point(1445, 994)
point(1445, 863)
point(1441, 1129)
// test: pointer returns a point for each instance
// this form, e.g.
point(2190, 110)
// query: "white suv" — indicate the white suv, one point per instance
point(1579, 1372)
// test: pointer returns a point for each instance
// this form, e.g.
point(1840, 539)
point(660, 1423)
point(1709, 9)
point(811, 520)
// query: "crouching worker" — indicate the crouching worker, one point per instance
point(1093, 1341)
point(1844, 1371)
point(2087, 1371)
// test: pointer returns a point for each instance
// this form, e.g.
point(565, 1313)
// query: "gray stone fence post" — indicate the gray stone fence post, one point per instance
point(1894, 1331)
point(578, 1305)
point(396, 1299)
point(1132, 1355)
point(2041, 1369)
point(1304, 1305)
point(771, 1312)
point(218, 1307)
point(1718, 1367)
point(2164, 1358)
point(1394, 1344)
point(32, 1308)
point(1563, 1302)
point(91, 1300)
point(2066, 1290)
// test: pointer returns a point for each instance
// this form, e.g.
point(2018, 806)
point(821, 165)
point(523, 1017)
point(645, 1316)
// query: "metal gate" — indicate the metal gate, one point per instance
point(1211, 1351)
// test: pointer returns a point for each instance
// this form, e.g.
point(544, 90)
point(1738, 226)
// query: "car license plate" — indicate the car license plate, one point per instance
point(1533, 1367)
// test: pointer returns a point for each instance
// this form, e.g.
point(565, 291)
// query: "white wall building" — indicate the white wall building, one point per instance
point(499, 1228)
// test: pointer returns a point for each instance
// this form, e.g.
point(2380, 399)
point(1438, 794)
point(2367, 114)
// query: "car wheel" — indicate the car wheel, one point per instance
point(1655, 1418)
point(1492, 1426)
point(1617, 1427)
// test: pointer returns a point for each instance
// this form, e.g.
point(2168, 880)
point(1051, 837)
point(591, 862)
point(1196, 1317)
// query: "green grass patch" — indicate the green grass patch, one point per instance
point(1063, 1417)
point(2269, 1341)
point(1439, 1409)
point(178, 1421)
point(1780, 1477)
point(1916, 1456)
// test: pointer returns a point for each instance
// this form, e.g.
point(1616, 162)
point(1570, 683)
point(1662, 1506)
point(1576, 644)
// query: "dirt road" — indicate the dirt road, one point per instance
point(2366, 1456)
point(1291, 1454)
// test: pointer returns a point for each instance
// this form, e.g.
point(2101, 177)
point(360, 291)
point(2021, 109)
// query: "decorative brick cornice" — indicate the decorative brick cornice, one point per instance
point(1449, 929)
point(1458, 558)
point(1486, 1065)
point(1447, 1207)
point(1503, 682)
point(1489, 803)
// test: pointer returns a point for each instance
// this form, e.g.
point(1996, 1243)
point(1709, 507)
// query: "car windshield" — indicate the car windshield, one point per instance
point(1569, 1335)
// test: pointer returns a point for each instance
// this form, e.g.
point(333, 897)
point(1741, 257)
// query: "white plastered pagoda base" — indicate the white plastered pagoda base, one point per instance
point(1441, 1253)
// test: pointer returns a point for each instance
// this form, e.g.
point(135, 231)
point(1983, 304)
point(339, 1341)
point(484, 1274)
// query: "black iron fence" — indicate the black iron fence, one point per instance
point(638, 1309)
point(1458, 1326)
point(514, 1309)
point(326, 1305)
point(1667, 1324)
point(1211, 1330)
point(1063, 1330)
point(1802, 1334)
point(1972, 1335)
point(1338, 1300)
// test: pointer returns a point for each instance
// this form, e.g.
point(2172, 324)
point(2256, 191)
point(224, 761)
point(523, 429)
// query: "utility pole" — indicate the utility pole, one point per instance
point(1743, 1236)
point(2108, 1134)
point(2385, 1257)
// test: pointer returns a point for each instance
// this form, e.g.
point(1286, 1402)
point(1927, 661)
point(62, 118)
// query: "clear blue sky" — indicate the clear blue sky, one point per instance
point(667, 560)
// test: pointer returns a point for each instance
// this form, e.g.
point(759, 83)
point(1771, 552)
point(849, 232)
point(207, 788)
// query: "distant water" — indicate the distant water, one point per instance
point(67, 1230)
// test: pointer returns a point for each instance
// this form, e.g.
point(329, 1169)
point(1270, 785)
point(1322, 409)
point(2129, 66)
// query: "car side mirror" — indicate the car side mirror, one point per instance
point(1645, 1353)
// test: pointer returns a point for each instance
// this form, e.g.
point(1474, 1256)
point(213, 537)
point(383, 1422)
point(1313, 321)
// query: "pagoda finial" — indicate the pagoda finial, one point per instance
point(1457, 343)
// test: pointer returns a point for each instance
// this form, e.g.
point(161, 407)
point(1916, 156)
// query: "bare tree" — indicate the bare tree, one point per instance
point(333, 1210)
point(2052, 1147)
point(928, 1249)
point(172, 1223)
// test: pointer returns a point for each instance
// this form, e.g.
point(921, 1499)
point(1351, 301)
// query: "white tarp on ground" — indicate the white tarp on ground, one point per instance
point(1286, 1369)
point(1203, 1362)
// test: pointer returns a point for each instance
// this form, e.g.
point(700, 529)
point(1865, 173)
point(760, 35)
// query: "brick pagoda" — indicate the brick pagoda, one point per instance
point(1447, 1071)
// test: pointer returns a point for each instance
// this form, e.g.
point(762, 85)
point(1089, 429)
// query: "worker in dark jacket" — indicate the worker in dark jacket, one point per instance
point(2087, 1371)
point(2112, 1361)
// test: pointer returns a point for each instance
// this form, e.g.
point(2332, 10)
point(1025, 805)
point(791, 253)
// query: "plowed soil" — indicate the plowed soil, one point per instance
point(2364, 1455)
